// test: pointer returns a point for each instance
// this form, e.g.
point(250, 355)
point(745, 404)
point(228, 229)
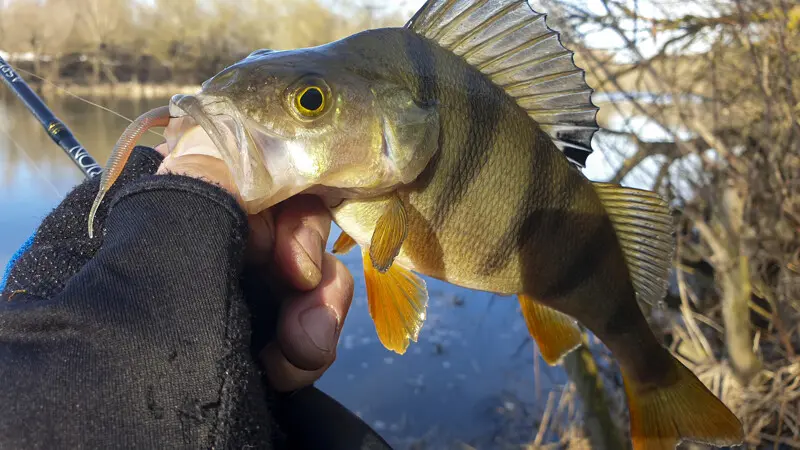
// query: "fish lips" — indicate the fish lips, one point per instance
point(261, 163)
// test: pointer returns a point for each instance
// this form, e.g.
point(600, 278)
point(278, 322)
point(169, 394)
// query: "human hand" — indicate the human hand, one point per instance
point(287, 245)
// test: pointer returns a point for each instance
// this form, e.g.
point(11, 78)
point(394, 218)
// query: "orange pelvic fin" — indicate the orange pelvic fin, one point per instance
point(397, 303)
point(344, 243)
point(555, 333)
point(663, 416)
point(390, 232)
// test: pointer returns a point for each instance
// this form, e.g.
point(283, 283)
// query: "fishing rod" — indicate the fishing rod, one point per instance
point(55, 128)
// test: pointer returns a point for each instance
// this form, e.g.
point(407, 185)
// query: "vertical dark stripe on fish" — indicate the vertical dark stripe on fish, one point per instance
point(506, 248)
point(586, 234)
point(626, 316)
point(583, 261)
point(541, 190)
point(424, 81)
point(419, 56)
point(471, 150)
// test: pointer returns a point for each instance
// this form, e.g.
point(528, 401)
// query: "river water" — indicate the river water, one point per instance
point(469, 379)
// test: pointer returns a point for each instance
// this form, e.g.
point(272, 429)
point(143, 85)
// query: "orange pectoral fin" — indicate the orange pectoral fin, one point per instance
point(555, 333)
point(397, 303)
point(343, 244)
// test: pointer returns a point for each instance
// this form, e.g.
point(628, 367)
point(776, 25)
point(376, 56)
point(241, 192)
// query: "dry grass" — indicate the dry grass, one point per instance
point(768, 406)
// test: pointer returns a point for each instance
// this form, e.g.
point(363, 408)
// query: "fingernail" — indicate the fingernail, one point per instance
point(321, 325)
point(311, 242)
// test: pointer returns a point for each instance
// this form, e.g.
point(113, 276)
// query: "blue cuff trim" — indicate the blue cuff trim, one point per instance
point(14, 258)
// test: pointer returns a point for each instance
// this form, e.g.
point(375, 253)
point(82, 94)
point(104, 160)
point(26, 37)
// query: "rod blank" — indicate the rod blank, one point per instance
point(55, 128)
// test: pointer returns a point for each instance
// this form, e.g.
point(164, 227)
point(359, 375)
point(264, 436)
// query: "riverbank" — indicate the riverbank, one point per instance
point(131, 91)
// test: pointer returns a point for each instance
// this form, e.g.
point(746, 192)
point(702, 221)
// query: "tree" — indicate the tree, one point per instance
point(103, 23)
point(723, 145)
point(29, 27)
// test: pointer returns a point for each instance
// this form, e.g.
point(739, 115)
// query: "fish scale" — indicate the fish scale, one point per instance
point(452, 148)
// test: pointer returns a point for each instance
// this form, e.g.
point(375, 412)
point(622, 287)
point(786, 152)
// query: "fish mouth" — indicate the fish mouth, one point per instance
point(259, 161)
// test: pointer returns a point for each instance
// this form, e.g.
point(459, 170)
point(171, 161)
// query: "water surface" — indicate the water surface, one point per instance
point(470, 376)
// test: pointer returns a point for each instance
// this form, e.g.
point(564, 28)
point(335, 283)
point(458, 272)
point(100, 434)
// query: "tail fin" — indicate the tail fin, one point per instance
point(663, 416)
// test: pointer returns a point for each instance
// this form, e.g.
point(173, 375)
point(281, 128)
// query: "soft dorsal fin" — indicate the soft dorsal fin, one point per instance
point(511, 44)
point(644, 228)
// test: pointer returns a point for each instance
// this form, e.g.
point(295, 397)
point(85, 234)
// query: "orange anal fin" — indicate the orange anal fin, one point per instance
point(663, 416)
point(343, 244)
point(555, 333)
point(390, 232)
point(398, 300)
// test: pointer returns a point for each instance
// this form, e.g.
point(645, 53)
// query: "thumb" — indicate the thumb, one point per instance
point(202, 167)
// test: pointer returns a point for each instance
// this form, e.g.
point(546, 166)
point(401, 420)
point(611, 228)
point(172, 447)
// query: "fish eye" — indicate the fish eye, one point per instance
point(310, 101)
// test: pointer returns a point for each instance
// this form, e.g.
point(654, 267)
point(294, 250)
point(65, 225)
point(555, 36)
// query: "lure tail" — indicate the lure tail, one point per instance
point(158, 117)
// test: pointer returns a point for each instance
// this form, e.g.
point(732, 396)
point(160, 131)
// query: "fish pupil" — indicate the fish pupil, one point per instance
point(311, 99)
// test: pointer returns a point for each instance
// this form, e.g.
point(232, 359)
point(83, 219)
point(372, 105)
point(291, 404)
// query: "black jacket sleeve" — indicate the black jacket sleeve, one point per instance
point(144, 336)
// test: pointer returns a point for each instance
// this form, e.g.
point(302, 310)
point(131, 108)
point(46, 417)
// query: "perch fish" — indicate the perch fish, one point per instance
point(452, 147)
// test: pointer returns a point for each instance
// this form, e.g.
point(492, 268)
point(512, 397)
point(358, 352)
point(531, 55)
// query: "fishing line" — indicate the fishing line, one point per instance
point(31, 160)
point(55, 128)
point(79, 97)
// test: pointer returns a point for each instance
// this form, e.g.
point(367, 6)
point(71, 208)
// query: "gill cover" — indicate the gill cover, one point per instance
point(410, 132)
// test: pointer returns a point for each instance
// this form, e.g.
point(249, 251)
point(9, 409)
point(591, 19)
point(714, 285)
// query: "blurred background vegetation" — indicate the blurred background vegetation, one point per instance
point(171, 41)
point(699, 101)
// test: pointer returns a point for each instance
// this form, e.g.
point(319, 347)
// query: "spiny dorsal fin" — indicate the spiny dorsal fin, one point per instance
point(644, 227)
point(511, 44)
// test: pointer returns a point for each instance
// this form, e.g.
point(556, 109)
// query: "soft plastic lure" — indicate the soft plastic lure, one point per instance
point(158, 117)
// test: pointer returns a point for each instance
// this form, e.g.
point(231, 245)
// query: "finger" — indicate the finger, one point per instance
point(162, 149)
point(309, 326)
point(203, 167)
point(309, 329)
point(302, 226)
point(261, 239)
point(282, 375)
